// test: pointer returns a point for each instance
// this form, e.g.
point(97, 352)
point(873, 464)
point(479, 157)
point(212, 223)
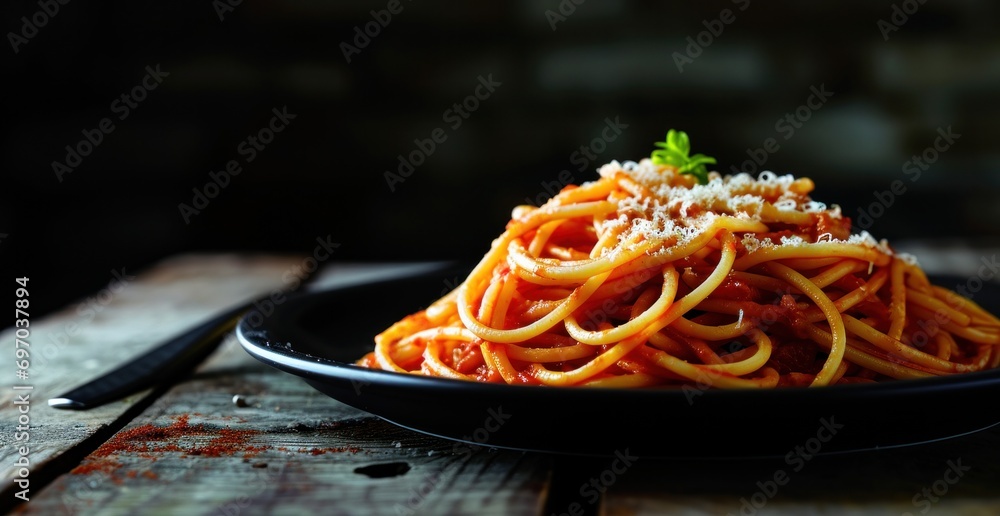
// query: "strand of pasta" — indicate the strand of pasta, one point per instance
point(838, 342)
point(625, 346)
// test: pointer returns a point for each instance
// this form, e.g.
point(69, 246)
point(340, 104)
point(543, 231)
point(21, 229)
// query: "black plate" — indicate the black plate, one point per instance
point(318, 335)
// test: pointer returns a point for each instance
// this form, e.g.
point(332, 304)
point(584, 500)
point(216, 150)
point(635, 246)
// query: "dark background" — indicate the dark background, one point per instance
point(324, 174)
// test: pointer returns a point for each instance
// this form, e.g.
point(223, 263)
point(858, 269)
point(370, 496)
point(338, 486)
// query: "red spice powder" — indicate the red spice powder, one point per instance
point(146, 441)
point(229, 442)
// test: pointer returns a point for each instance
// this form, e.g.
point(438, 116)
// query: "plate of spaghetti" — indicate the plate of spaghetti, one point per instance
point(664, 309)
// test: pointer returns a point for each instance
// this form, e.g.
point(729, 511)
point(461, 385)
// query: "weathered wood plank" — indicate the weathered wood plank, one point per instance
point(128, 317)
point(293, 450)
point(956, 476)
point(288, 448)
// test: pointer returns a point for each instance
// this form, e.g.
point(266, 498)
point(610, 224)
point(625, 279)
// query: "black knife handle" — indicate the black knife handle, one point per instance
point(173, 357)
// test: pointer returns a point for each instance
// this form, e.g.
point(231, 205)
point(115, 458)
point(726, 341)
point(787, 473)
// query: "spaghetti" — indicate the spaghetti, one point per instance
point(644, 277)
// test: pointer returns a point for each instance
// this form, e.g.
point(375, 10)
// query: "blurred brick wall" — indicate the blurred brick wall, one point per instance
point(605, 61)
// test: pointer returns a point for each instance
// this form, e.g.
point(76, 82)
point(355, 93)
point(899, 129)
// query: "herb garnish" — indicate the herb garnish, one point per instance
point(674, 151)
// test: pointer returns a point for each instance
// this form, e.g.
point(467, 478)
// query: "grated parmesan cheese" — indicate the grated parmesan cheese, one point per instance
point(676, 208)
point(907, 258)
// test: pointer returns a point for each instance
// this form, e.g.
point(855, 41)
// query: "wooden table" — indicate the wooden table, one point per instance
point(283, 448)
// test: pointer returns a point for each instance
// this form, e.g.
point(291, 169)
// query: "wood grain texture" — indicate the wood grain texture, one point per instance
point(283, 449)
point(296, 451)
point(959, 476)
point(134, 313)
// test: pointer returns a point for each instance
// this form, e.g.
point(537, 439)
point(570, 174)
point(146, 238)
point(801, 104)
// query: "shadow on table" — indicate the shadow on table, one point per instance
point(912, 478)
